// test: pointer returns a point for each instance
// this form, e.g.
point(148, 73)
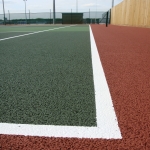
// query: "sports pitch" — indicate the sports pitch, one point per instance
point(49, 77)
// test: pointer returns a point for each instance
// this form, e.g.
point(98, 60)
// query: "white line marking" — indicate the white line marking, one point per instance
point(34, 33)
point(107, 125)
point(16, 31)
point(106, 117)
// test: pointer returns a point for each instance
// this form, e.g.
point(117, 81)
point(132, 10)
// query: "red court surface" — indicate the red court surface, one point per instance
point(125, 56)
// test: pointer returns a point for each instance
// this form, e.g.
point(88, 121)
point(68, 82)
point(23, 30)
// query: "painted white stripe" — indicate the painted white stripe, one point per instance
point(107, 125)
point(16, 31)
point(106, 117)
point(57, 131)
point(34, 33)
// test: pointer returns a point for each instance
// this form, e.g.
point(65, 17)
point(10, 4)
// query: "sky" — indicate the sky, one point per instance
point(18, 6)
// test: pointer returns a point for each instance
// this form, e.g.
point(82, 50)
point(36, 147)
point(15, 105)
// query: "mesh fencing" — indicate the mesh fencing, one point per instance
point(47, 18)
point(105, 18)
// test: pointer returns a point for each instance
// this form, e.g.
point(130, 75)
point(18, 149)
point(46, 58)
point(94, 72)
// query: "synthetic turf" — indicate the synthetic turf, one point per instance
point(125, 54)
point(74, 28)
point(10, 34)
point(26, 28)
point(47, 79)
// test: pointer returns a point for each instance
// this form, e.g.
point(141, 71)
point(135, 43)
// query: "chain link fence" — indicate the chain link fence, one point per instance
point(90, 17)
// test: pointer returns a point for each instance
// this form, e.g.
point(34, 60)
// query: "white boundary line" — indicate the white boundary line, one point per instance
point(16, 31)
point(107, 125)
point(35, 32)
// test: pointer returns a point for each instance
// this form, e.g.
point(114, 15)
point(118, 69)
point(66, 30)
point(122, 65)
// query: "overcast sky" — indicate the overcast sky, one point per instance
point(61, 5)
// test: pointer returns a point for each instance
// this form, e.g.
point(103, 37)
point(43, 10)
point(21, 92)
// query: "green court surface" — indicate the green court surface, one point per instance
point(26, 28)
point(46, 78)
point(11, 34)
point(9, 31)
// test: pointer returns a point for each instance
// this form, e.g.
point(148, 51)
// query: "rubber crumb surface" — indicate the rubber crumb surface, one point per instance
point(11, 34)
point(125, 53)
point(28, 28)
point(46, 83)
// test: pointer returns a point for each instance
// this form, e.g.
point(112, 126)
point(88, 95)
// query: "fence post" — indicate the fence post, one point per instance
point(9, 16)
point(110, 17)
point(89, 17)
point(29, 16)
point(53, 11)
point(107, 19)
point(71, 16)
point(4, 13)
point(50, 17)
